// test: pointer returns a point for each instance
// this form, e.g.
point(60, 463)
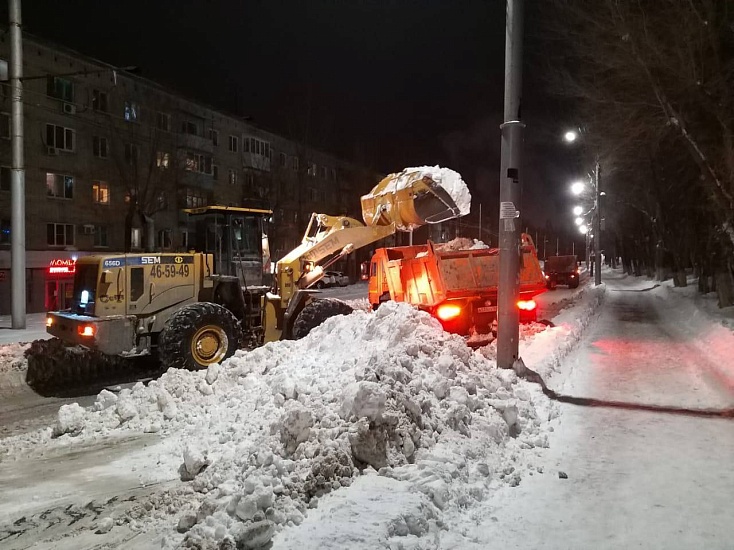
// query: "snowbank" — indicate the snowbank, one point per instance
point(267, 434)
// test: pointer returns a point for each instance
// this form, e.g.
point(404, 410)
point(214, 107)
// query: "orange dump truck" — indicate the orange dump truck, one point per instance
point(458, 287)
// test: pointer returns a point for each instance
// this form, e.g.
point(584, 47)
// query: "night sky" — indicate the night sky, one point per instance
point(385, 83)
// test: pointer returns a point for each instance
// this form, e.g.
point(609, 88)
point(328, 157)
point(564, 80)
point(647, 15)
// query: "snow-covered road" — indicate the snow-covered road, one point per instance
point(467, 457)
point(636, 479)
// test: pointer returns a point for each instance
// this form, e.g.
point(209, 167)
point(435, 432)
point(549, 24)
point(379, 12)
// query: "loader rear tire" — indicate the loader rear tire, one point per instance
point(316, 312)
point(198, 335)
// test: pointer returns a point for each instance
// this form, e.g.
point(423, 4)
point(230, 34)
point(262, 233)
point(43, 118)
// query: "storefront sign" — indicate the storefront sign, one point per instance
point(61, 267)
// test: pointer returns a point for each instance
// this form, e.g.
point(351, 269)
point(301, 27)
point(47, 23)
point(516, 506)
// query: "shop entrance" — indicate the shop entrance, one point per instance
point(59, 295)
point(60, 284)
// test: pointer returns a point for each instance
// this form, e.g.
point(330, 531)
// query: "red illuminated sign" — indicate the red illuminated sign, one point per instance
point(62, 266)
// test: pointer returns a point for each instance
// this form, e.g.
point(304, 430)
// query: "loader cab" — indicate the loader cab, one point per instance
point(237, 238)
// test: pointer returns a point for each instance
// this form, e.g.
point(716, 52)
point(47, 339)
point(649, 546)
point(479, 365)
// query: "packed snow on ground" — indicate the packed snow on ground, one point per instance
point(376, 430)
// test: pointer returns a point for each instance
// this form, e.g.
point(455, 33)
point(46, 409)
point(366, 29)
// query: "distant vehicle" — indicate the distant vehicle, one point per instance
point(337, 278)
point(561, 270)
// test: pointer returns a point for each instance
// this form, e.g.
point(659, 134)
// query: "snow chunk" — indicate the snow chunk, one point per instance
point(363, 399)
point(69, 420)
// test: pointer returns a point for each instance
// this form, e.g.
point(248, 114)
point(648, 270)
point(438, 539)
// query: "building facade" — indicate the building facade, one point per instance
point(112, 159)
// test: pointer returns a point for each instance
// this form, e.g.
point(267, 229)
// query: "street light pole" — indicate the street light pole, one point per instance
point(17, 173)
point(508, 321)
point(597, 225)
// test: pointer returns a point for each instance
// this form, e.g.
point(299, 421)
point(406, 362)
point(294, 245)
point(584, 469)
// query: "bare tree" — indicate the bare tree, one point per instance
point(655, 83)
point(149, 168)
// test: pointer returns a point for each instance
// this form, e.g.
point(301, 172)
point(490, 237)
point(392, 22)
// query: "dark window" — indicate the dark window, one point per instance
point(233, 143)
point(163, 121)
point(99, 147)
point(5, 178)
point(214, 136)
point(5, 125)
point(4, 231)
point(61, 88)
point(137, 283)
point(99, 101)
point(60, 137)
point(188, 127)
point(100, 236)
point(59, 234)
point(131, 153)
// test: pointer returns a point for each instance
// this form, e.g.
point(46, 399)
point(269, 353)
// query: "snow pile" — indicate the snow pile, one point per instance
point(13, 365)
point(265, 435)
point(460, 243)
point(12, 358)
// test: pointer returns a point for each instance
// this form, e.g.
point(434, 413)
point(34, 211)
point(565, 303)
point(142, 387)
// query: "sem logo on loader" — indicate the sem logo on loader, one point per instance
point(149, 260)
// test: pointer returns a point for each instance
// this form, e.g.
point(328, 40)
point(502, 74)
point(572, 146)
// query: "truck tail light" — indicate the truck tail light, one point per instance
point(445, 312)
point(527, 305)
point(86, 330)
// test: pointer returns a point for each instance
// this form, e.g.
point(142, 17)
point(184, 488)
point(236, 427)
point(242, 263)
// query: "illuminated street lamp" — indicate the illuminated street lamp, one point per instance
point(579, 221)
point(570, 136)
point(577, 210)
point(577, 188)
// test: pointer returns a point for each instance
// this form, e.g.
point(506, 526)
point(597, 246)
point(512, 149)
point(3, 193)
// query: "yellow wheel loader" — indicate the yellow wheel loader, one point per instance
point(191, 310)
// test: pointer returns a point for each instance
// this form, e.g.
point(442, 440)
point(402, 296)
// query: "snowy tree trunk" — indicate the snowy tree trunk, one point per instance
point(725, 287)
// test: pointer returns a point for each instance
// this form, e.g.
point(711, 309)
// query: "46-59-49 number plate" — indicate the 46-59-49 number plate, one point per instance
point(487, 309)
point(169, 270)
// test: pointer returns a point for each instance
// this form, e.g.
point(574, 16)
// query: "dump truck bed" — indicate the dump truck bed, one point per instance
point(424, 276)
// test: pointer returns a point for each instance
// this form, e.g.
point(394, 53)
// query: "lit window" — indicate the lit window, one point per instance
point(132, 111)
point(162, 160)
point(59, 186)
point(100, 192)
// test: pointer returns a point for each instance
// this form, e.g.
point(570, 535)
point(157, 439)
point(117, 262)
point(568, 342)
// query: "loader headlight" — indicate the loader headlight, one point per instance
point(49, 321)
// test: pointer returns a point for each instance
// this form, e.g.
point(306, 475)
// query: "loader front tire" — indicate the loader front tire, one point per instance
point(316, 312)
point(198, 335)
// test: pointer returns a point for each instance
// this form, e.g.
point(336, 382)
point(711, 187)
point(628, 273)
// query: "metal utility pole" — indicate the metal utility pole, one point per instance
point(17, 173)
point(508, 326)
point(597, 225)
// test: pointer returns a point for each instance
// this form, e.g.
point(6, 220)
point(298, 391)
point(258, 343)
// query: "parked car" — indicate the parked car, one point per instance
point(561, 270)
point(337, 278)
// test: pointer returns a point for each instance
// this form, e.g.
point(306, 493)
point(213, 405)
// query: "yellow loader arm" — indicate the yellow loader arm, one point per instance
point(401, 201)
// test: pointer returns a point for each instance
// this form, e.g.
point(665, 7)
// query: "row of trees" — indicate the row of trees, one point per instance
point(653, 83)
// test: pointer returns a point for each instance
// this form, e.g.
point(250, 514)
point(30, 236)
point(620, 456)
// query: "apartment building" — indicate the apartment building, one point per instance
point(111, 159)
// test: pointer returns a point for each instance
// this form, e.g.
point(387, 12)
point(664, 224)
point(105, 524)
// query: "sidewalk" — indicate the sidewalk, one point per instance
point(35, 329)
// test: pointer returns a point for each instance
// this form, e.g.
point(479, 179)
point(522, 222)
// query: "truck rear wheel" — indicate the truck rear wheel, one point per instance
point(198, 335)
point(316, 312)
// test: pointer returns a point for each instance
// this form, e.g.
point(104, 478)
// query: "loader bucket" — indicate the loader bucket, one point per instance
point(410, 199)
